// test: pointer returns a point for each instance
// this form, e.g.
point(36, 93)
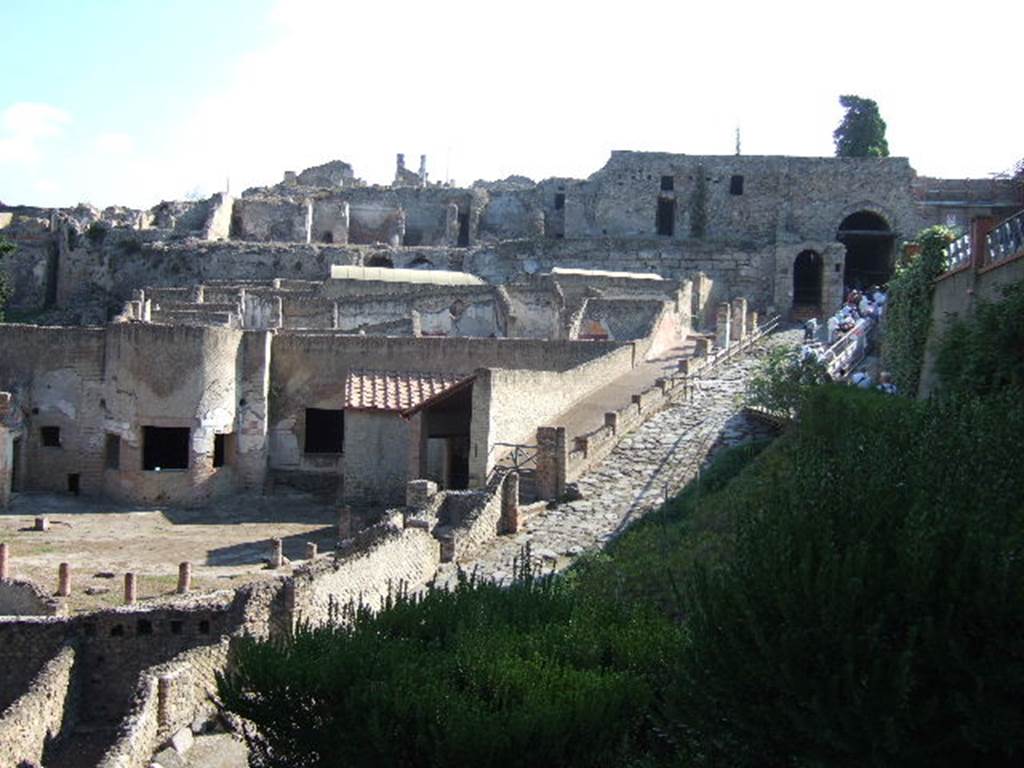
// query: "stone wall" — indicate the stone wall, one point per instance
point(377, 561)
point(37, 716)
point(26, 644)
point(955, 297)
point(20, 597)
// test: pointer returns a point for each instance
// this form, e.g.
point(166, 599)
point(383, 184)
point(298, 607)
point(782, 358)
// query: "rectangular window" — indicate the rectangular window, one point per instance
point(736, 185)
point(668, 183)
point(50, 436)
point(325, 430)
point(112, 452)
point(223, 447)
point(165, 448)
point(559, 201)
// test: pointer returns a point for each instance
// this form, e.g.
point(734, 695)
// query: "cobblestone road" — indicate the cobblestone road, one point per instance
point(654, 461)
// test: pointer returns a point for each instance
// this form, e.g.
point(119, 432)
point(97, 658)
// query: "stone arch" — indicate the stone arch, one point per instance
point(421, 262)
point(808, 280)
point(866, 231)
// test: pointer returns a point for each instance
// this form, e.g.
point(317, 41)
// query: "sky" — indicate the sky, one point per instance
point(131, 102)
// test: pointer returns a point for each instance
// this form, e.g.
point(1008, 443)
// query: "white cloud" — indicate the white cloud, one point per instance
point(114, 143)
point(25, 125)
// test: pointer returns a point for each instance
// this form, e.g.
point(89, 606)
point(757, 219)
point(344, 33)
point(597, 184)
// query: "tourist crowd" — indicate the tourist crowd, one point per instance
point(853, 322)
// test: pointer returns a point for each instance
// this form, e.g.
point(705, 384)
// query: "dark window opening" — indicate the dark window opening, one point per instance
point(380, 261)
point(463, 230)
point(325, 430)
point(327, 237)
point(144, 627)
point(165, 448)
point(421, 262)
point(16, 466)
point(112, 452)
point(223, 447)
point(736, 185)
point(74, 483)
point(666, 219)
point(668, 183)
point(117, 630)
point(559, 201)
point(204, 627)
point(51, 437)
point(176, 627)
point(412, 237)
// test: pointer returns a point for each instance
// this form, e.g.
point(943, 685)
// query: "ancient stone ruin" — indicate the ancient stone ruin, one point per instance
point(429, 361)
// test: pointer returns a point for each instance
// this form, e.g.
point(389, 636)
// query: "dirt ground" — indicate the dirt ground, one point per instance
point(227, 543)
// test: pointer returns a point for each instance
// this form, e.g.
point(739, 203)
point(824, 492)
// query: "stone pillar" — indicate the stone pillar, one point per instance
point(739, 319)
point(418, 493)
point(722, 330)
point(184, 578)
point(611, 420)
point(451, 224)
point(42, 524)
point(510, 503)
point(752, 322)
point(344, 523)
point(308, 225)
point(131, 589)
point(685, 366)
point(164, 684)
point(5, 561)
point(552, 459)
point(276, 553)
point(703, 347)
point(64, 580)
point(290, 178)
point(311, 550)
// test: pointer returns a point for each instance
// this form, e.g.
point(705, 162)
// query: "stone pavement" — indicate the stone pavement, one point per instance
point(650, 464)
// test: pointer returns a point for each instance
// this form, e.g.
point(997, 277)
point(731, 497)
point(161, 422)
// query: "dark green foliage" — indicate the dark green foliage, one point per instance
point(782, 380)
point(5, 282)
point(985, 352)
point(869, 609)
point(909, 310)
point(483, 676)
point(862, 131)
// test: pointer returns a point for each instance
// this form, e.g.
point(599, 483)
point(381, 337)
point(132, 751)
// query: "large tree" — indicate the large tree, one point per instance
point(862, 131)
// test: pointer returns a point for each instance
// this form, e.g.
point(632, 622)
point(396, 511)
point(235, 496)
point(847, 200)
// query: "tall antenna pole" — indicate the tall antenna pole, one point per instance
point(737, 141)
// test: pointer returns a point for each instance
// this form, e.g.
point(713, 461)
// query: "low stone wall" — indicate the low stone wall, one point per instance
point(35, 718)
point(480, 522)
point(20, 597)
point(169, 697)
point(382, 558)
point(26, 644)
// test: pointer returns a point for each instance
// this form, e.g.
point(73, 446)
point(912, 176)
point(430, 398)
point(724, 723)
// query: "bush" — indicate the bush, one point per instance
point(908, 312)
point(5, 283)
point(482, 676)
point(783, 380)
point(985, 352)
point(870, 610)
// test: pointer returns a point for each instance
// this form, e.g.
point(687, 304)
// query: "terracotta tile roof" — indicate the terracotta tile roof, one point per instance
point(395, 390)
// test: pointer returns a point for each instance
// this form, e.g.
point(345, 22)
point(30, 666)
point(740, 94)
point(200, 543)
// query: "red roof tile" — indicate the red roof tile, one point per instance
point(395, 390)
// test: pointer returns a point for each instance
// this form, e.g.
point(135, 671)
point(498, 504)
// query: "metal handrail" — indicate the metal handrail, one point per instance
point(1006, 240)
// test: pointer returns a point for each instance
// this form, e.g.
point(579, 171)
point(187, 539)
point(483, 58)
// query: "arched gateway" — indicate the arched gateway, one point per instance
point(870, 249)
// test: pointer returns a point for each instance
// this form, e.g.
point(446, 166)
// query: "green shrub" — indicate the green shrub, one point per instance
point(870, 609)
point(908, 312)
point(483, 676)
point(5, 283)
point(96, 233)
point(984, 353)
point(782, 380)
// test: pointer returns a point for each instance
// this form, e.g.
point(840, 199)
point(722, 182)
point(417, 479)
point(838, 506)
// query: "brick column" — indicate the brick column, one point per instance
point(64, 580)
point(276, 553)
point(5, 561)
point(722, 329)
point(510, 503)
point(131, 588)
point(552, 459)
point(311, 550)
point(184, 578)
point(739, 319)
point(418, 493)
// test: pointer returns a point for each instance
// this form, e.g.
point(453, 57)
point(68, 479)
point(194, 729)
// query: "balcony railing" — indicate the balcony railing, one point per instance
point(1006, 240)
point(958, 253)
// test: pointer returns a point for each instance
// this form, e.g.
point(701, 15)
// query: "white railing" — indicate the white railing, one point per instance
point(1006, 240)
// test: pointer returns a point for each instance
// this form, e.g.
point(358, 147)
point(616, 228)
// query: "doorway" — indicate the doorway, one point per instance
point(16, 466)
point(869, 250)
point(807, 280)
point(666, 217)
point(445, 459)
